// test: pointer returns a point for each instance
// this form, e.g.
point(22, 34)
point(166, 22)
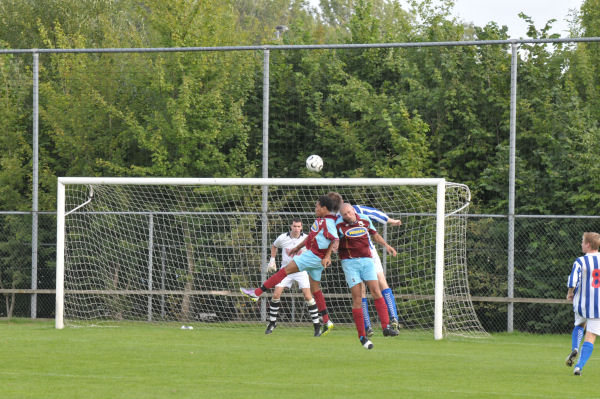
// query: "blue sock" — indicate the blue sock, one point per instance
point(586, 351)
point(390, 301)
point(576, 337)
point(365, 309)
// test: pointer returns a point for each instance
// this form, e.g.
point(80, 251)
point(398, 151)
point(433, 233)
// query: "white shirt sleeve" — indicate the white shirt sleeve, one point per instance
point(575, 274)
point(279, 241)
point(372, 213)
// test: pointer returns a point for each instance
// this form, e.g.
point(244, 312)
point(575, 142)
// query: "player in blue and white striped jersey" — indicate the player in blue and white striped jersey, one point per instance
point(386, 291)
point(584, 290)
point(579, 324)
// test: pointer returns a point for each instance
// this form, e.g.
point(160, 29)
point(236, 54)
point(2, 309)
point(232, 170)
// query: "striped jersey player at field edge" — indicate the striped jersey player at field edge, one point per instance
point(288, 241)
point(355, 231)
point(386, 291)
point(321, 242)
point(584, 290)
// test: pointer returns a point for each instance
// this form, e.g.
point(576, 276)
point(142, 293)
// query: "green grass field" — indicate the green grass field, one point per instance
point(163, 361)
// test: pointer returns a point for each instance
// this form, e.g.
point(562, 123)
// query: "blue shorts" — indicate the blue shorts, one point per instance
point(310, 263)
point(358, 269)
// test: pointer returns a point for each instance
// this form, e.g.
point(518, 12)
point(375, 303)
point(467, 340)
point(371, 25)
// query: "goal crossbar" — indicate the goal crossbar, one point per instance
point(191, 181)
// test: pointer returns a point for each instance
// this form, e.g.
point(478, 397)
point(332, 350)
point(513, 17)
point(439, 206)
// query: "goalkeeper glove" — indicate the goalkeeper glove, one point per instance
point(272, 267)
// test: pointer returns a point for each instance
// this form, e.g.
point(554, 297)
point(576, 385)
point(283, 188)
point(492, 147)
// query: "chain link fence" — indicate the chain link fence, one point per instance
point(545, 248)
point(16, 266)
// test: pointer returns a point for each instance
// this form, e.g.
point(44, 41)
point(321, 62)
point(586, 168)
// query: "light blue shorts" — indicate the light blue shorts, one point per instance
point(310, 263)
point(358, 269)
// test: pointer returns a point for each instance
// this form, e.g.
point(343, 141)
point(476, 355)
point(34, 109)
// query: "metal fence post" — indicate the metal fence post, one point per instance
point(511, 186)
point(265, 174)
point(34, 206)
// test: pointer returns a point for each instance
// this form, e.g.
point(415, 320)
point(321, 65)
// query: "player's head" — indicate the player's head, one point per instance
point(337, 200)
point(348, 213)
point(590, 242)
point(324, 206)
point(296, 227)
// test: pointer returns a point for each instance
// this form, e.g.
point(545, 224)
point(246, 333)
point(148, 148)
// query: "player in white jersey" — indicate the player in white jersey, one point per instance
point(386, 291)
point(584, 290)
point(288, 241)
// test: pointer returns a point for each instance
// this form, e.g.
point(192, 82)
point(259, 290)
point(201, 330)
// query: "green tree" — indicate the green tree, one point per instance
point(590, 19)
point(15, 142)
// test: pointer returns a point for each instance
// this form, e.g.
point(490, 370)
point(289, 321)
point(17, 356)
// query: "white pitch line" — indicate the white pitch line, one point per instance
point(87, 376)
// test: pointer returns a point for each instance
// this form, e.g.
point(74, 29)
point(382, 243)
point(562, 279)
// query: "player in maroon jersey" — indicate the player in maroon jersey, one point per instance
point(354, 251)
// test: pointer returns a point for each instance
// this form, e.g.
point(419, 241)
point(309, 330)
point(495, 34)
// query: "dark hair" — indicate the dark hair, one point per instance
point(325, 201)
point(296, 220)
point(337, 200)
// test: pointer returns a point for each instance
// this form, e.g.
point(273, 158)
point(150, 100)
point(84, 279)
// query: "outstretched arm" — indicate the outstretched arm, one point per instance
point(394, 222)
point(377, 215)
point(379, 239)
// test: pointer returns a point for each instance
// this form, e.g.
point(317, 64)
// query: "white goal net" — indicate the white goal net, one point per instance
point(164, 250)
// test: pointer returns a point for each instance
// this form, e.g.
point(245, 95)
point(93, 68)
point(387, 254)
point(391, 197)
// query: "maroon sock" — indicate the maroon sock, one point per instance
point(320, 299)
point(359, 320)
point(382, 312)
point(271, 282)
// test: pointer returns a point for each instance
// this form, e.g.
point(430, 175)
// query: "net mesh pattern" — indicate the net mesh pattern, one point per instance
point(181, 253)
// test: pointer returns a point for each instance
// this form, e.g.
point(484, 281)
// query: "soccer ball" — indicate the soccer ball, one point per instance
point(314, 163)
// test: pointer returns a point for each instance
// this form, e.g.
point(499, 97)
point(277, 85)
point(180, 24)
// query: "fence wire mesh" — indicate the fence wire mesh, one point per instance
point(545, 248)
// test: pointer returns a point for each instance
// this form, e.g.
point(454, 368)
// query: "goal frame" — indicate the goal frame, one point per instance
point(440, 183)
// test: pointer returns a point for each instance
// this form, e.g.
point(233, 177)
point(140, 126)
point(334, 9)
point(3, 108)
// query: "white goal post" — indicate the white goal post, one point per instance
point(178, 249)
